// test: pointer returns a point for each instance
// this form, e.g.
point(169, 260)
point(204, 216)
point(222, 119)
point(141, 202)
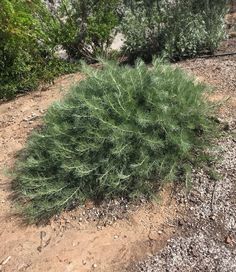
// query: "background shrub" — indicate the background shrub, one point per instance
point(120, 132)
point(29, 36)
point(176, 29)
point(142, 31)
point(88, 27)
point(192, 27)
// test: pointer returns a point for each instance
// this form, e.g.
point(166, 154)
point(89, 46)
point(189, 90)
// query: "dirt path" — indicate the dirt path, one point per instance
point(75, 241)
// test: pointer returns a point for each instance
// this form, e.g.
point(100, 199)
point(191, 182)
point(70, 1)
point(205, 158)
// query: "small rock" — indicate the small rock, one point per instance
point(94, 265)
point(212, 217)
point(116, 236)
point(229, 240)
point(84, 262)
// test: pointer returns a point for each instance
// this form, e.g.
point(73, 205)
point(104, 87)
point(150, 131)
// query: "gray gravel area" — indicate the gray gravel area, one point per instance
point(207, 236)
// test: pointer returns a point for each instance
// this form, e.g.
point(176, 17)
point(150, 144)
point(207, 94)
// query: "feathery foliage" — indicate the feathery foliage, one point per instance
point(120, 132)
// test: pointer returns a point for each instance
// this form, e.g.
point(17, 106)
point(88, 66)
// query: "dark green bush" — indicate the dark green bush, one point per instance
point(120, 132)
point(176, 29)
point(28, 35)
point(88, 27)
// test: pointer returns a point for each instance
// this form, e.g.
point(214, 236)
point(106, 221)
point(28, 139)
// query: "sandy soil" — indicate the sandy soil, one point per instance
point(219, 73)
point(74, 241)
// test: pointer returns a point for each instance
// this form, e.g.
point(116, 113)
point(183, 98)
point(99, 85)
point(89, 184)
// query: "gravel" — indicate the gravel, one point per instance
point(207, 236)
point(103, 214)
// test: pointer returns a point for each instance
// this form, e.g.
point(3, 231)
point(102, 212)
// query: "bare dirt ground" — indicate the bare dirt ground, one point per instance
point(220, 73)
point(111, 237)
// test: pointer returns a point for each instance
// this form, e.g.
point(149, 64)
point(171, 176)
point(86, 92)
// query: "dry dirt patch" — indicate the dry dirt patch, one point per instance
point(220, 73)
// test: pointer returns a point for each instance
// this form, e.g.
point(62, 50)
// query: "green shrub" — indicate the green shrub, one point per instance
point(192, 28)
point(88, 27)
point(141, 32)
point(120, 132)
point(182, 28)
point(28, 35)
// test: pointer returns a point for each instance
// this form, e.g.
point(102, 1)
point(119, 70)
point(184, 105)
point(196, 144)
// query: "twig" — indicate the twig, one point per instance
point(6, 260)
point(213, 197)
point(217, 55)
